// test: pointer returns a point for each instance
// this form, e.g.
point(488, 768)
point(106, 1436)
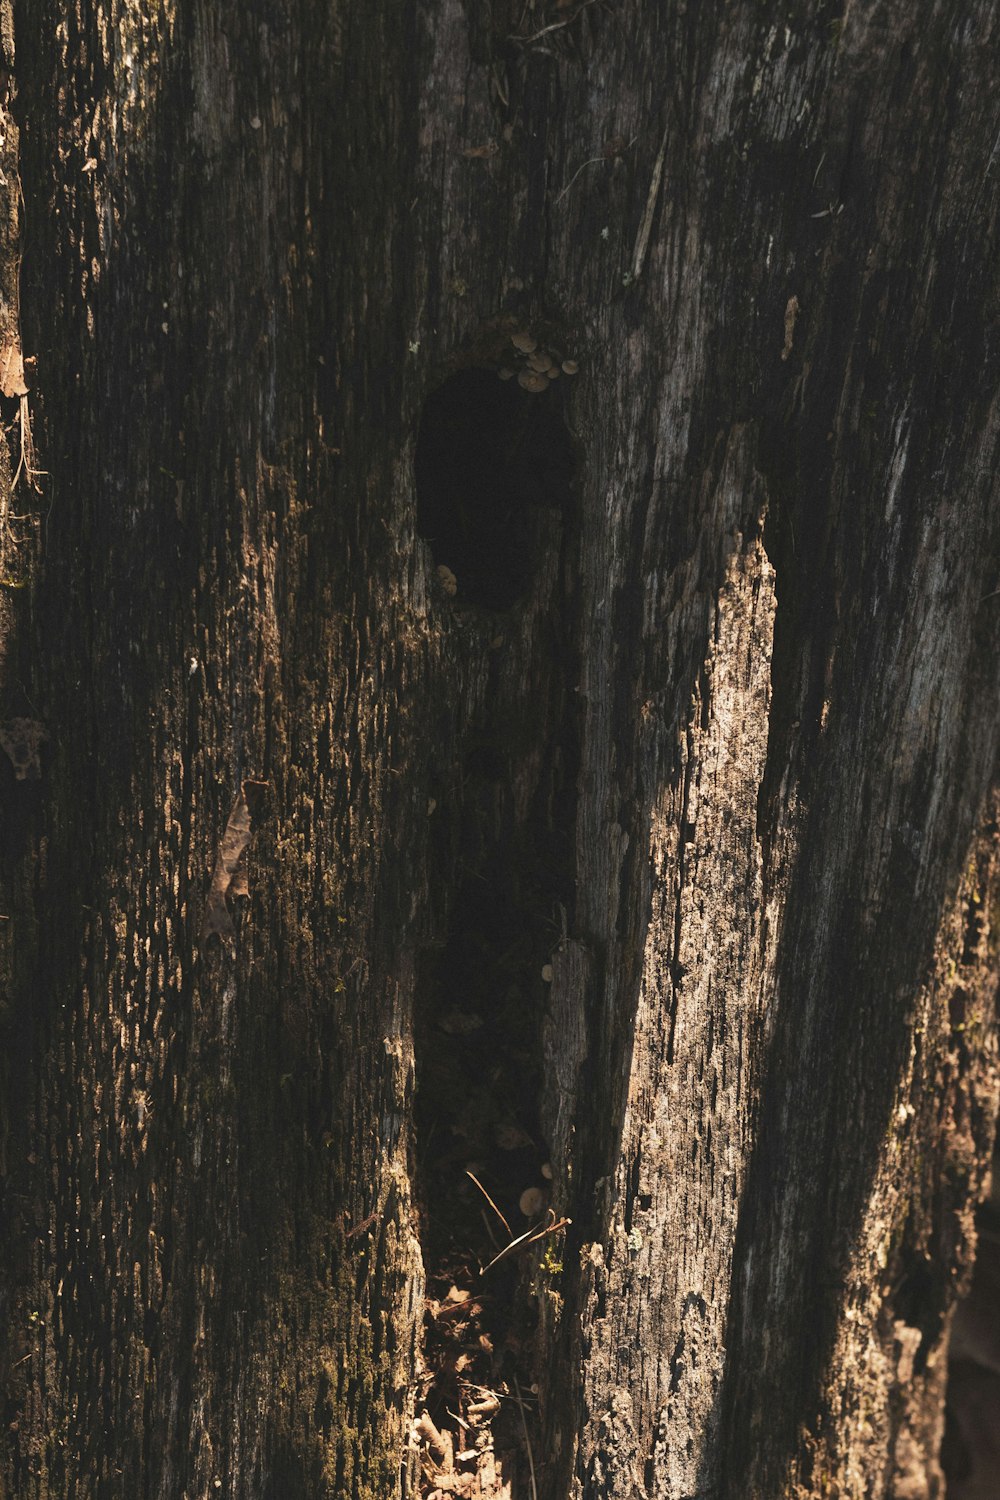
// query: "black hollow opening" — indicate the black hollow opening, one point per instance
point(489, 456)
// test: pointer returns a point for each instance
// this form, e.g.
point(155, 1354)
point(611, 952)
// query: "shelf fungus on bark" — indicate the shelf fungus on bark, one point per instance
point(531, 1202)
point(230, 876)
point(535, 364)
point(529, 380)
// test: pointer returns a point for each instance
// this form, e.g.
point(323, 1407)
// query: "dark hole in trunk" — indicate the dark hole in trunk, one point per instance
point(489, 454)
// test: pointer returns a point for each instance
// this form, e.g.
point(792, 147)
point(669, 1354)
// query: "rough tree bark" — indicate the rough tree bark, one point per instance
point(629, 827)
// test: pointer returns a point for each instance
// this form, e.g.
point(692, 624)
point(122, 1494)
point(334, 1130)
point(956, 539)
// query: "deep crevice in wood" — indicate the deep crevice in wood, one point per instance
point(494, 468)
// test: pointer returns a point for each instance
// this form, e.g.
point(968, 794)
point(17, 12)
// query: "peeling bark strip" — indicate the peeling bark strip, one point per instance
point(495, 473)
point(558, 447)
point(230, 876)
point(12, 370)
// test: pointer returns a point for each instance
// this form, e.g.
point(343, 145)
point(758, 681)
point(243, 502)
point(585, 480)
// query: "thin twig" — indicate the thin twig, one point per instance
point(521, 1239)
point(489, 1200)
point(527, 1440)
point(591, 160)
point(20, 461)
point(350, 1234)
point(27, 455)
point(525, 41)
point(503, 93)
point(552, 1228)
point(536, 1232)
point(489, 1229)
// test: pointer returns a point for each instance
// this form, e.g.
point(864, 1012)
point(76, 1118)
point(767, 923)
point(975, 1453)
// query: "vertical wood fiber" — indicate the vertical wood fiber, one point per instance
point(762, 639)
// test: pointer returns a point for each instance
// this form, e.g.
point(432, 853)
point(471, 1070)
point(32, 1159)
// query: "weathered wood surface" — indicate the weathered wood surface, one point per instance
point(726, 764)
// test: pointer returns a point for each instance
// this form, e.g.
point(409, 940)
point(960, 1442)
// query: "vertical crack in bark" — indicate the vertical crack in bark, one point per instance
point(494, 467)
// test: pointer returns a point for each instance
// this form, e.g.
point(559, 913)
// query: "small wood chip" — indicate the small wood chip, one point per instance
point(425, 1428)
point(12, 369)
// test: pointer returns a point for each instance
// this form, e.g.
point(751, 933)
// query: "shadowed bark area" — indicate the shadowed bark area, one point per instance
point(543, 460)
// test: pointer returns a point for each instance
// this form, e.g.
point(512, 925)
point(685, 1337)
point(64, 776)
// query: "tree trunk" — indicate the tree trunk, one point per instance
point(498, 677)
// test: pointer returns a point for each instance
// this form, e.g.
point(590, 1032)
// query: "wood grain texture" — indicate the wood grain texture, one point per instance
point(732, 749)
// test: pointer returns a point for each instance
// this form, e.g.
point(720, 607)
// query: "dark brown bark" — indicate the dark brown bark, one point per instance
point(629, 829)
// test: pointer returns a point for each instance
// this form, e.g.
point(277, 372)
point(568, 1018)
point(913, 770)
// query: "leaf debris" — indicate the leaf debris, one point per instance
point(230, 875)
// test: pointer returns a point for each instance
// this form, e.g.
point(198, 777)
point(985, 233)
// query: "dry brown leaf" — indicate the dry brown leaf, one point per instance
point(453, 1311)
point(22, 739)
point(12, 368)
point(230, 877)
